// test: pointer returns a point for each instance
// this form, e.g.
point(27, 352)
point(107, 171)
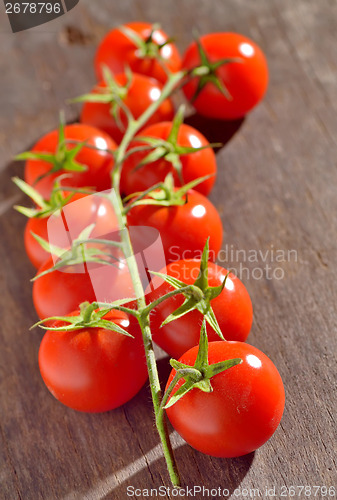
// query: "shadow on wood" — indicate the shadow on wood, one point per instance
point(215, 130)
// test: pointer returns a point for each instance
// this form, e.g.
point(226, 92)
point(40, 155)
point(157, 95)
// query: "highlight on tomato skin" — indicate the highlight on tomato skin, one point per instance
point(244, 409)
point(94, 369)
point(141, 93)
point(116, 50)
point(245, 80)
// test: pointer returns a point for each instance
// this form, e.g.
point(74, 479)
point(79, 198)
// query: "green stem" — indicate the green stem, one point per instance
point(156, 399)
point(127, 310)
point(146, 311)
point(167, 393)
point(147, 338)
point(116, 200)
point(88, 311)
point(178, 375)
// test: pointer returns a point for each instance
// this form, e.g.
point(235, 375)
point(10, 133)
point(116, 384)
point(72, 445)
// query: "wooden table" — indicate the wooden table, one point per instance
point(276, 191)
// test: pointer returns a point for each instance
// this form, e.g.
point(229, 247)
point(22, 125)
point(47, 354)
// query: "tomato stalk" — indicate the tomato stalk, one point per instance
point(188, 290)
point(133, 127)
point(144, 323)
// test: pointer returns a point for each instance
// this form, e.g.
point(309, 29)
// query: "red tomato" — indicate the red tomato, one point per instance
point(98, 162)
point(246, 81)
point(232, 308)
point(62, 291)
point(117, 51)
point(194, 165)
point(241, 413)
point(184, 229)
point(143, 91)
point(94, 369)
point(66, 225)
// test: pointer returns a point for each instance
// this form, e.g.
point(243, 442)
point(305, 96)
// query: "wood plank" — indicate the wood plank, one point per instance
point(276, 190)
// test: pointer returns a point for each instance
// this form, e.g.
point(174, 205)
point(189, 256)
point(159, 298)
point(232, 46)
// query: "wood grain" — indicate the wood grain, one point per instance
point(276, 189)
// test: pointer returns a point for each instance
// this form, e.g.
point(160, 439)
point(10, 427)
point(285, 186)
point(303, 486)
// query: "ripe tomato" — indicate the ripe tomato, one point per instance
point(232, 308)
point(194, 165)
point(94, 369)
point(62, 291)
point(117, 51)
point(67, 224)
point(98, 162)
point(241, 413)
point(143, 91)
point(246, 80)
point(183, 229)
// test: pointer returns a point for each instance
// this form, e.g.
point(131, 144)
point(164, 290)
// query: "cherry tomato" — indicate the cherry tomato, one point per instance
point(63, 227)
point(143, 91)
point(94, 369)
point(62, 291)
point(98, 162)
point(246, 80)
point(117, 51)
point(232, 308)
point(194, 165)
point(183, 229)
point(241, 413)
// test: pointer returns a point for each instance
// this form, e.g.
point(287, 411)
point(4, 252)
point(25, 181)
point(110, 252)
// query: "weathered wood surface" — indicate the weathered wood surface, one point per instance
point(276, 188)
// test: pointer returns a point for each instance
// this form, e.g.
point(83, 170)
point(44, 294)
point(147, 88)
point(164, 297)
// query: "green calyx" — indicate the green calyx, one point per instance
point(45, 207)
point(89, 317)
point(62, 159)
point(112, 94)
point(82, 251)
point(207, 72)
point(169, 149)
point(197, 376)
point(200, 301)
point(147, 48)
point(163, 194)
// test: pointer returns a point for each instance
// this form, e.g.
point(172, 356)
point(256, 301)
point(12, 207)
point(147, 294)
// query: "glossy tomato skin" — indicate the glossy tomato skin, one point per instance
point(117, 51)
point(232, 308)
point(98, 162)
point(143, 91)
point(241, 413)
point(66, 225)
point(94, 369)
point(62, 291)
point(194, 165)
point(58, 293)
point(183, 229)
point(246, 80)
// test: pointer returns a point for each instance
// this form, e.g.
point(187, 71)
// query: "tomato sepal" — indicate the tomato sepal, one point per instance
point(201, 297)
point(62, 159)
point(89, 317)
point(46, 207)
point(197, 376)
point(145, 48)
point(113, 93)
point(169, 149)
point(79, 252)
point(163, 194)
point(206, 72)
